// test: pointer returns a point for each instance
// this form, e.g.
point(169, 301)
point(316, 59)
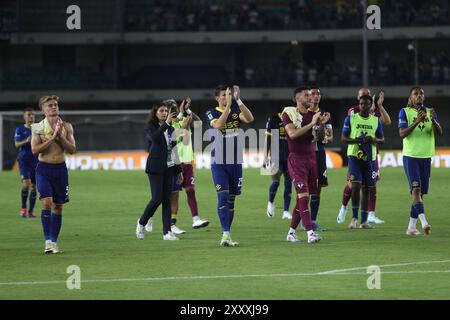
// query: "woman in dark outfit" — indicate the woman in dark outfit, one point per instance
point(160, 169)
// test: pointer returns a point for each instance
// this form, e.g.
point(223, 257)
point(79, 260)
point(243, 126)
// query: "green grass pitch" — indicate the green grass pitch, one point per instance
point(98, 235)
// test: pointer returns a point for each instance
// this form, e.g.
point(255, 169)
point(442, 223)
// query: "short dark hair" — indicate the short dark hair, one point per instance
point(28, 109)
point(300, 89)
point(314, 88)
point(219, 88)
point(366, 97)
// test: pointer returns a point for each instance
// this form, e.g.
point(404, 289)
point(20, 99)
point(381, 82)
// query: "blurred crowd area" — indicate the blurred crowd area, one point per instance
point(207, 15)
point(386, 68)
point(218, 15)
point(327, 63)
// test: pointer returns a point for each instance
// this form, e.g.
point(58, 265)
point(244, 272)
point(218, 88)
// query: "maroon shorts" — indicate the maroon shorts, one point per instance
point(188, 177)
point(303, 172)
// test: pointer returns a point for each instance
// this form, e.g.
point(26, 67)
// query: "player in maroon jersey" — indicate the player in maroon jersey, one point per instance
point(299, 123)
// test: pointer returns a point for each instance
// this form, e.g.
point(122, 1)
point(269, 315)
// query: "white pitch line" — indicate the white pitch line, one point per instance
point(384, 266)
point(338, 272)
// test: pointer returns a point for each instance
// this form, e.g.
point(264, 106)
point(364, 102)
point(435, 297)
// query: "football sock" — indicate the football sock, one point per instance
point(363, 215)
point(273, 190)
point(231, 199)
point(303, 206)
point(222, 210)
point(372, 199)
point(55, 226)
point(295, 221)
point(192, 202)
point(173, 218)
point(420, 211)
point(46, 223)
point(287, 193)
point(355, 212)
point(412, 223)
point(346, 195)
point(419, 208)
point(314, 204)
point(413, 213)
point(423, 220)
point(24, 195)
point(32, 200)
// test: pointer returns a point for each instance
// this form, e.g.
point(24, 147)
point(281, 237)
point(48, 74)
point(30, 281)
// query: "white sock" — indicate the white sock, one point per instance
point(371, 214)
point(291, 230)
point(344, 207)
point(195, 218)
point(226, 233)
point(423, 220)
point(310, 233)
point(412, 223)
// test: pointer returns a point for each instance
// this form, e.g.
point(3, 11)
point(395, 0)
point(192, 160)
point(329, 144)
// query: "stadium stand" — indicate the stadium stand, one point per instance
point(130, 54)
point(144, 15)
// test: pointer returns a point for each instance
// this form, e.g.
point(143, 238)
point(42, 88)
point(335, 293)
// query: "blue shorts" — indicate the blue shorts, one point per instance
point(417, 172)
point(321, 159)
point(27, 170)
point(176, 187)
point(227, 177)
point(53, 181)
point(362, 171)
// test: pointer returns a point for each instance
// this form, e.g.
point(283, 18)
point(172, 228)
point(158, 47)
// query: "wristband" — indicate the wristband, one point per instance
point(188, 111)
point(180, 116)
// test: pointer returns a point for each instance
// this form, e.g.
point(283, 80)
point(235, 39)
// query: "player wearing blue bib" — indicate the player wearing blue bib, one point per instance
point(226, 155)
point(27, 163)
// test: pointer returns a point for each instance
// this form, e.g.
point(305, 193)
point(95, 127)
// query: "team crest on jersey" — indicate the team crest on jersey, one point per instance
point(218, 187)
point(421, 125)
point(234, 115)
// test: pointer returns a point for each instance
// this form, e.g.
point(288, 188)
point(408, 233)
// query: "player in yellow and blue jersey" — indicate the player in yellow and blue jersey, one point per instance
point(226, 155)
